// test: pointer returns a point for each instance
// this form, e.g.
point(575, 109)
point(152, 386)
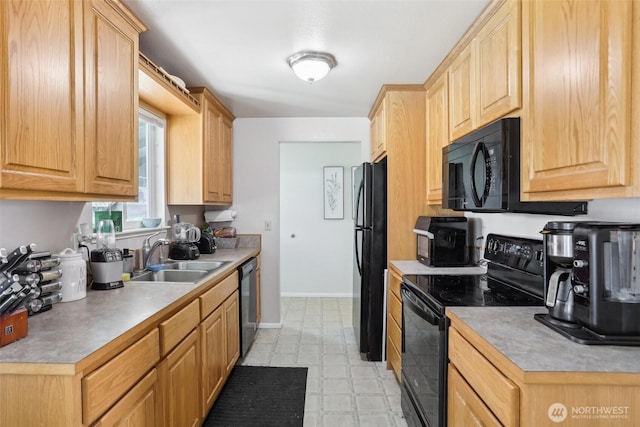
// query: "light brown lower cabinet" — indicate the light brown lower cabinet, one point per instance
point(180, 382)
point(138, 408)
point(465, 408)
point(168, 376)
point(394, 323)
point(220, 335)
point(485, 388)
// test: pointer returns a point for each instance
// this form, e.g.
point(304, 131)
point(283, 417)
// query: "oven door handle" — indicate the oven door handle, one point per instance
point(412, 303)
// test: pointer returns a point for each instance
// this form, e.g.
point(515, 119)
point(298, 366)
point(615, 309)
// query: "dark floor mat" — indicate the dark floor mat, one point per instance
point(260, 396)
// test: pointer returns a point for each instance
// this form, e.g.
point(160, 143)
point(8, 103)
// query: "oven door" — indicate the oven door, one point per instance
point(424, 362)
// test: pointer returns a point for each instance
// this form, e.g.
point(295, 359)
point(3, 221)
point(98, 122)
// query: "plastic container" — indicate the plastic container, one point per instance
point(74, 275)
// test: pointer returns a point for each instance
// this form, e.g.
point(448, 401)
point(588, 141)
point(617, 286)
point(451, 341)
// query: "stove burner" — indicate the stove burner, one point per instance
point(469, 290)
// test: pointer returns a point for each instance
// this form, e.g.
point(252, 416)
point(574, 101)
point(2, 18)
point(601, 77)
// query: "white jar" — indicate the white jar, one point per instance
point(74, 275)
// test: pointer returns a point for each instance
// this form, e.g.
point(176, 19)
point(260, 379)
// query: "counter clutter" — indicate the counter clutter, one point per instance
point(95, 321)
point(148, 351)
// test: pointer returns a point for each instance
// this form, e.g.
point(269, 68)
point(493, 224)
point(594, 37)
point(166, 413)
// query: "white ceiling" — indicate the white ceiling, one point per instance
point(239, 48)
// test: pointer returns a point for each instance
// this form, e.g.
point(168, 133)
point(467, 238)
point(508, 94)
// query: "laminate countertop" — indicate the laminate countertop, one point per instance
point(415, 267)
point(70, 333)
point(533, 347)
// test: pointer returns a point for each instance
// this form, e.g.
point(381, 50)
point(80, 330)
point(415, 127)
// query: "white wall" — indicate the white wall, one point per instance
point(48, 224)
point(528, 225)
point(51, 224)
point(316, 254)
point(256, 186)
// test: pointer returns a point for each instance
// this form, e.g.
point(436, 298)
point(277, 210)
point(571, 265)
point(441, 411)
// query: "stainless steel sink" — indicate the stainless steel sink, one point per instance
point(174, 276)
point(196, 265)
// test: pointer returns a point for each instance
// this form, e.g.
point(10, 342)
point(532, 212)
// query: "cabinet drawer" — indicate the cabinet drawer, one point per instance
point(395, 332)
point(172, 331)
point(395, 308)
point(395, 280)
point(216, 295)
point(139, 407)
point(464, 407)
point(497, 391)
point(104, 386)
point(394, 358)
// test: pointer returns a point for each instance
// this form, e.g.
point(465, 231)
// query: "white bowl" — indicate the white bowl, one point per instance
point(151, 222)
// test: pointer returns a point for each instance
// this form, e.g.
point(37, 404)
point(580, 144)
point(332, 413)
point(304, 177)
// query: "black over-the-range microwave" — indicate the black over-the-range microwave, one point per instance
point(481, 173)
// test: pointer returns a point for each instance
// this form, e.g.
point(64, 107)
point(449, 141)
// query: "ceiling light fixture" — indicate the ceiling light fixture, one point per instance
point(311, 66)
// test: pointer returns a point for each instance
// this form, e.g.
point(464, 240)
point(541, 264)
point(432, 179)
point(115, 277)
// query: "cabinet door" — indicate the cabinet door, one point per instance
point(226, 159)
point(214, 366)
point(497, 48)
point(180, 381)
point(576, 133)
point(394, 320)
point(232, 323)
point(212, 118)
point(464, 407)
point(462, 94)
point(378, 133)
point(111, 102)
point(437, 112)
point(41, 132)
point(137, 408)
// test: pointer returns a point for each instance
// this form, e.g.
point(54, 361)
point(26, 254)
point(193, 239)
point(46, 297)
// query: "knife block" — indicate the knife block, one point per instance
point(13, 326)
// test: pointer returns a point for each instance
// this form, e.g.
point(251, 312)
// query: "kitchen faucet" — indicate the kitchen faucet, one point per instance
point(148, 250)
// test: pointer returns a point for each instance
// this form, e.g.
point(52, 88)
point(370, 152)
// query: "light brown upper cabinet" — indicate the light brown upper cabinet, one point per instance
point(485, 77)
point(437, 111)
point(378, 134)
point(462, 103)
point(398, 114)
point(577, 124)
point(111, 107)
point(199, 159)
point(68, 113)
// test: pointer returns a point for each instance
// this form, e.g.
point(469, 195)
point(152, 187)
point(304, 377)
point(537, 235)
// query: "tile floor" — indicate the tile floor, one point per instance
point(342, 390)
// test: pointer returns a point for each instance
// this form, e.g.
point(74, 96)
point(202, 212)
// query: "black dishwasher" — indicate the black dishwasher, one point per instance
point(248, 304)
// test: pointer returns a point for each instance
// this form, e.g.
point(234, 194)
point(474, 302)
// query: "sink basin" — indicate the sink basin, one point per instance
point(183, 276)
point(196, 265)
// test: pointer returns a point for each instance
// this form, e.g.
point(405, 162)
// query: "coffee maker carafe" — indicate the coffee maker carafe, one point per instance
point(558, 274)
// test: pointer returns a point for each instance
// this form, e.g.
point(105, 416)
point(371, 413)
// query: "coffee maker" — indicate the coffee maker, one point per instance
point(602, 282)
point(183, 244)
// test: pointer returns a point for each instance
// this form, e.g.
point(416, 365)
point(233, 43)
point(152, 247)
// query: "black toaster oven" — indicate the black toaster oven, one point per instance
point(442, 241)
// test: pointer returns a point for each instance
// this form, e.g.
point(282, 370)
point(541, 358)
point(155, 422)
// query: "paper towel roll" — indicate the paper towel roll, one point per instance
point(220, 216)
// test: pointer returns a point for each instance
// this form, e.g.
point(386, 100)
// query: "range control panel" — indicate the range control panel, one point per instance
point(515, 252)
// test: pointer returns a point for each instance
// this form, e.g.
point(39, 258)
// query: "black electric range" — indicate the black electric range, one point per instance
point(514, 277)
point(475, 290)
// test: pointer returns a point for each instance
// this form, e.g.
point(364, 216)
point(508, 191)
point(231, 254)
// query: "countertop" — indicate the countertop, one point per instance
point(533, 347)
point(72, 332)
point(415, 267)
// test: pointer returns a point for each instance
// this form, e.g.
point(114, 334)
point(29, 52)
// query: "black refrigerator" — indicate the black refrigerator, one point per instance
point(370, 257)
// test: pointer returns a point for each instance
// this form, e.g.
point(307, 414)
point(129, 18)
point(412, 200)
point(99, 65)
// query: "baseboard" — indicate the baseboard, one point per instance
point(315, 295)
point(263, 325)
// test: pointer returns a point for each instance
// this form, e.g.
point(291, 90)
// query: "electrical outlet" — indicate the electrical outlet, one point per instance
point(267, 225)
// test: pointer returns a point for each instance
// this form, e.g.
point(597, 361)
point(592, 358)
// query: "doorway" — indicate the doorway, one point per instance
point(316, 254)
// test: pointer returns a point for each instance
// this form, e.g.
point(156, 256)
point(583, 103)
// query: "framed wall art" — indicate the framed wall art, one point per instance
point(333, 179)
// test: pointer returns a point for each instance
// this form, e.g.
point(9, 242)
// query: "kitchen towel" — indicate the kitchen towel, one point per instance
point(220, 216)
point(260, 396)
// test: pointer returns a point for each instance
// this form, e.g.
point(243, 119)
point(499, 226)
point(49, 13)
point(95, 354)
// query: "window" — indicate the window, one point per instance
point(151, 201)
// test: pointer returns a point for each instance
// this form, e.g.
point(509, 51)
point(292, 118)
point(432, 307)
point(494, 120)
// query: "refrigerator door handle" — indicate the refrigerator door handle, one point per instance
point(358, 198)
point(355, 243)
